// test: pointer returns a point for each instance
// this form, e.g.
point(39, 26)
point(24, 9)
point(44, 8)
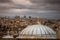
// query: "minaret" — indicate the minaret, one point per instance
point(38, 21)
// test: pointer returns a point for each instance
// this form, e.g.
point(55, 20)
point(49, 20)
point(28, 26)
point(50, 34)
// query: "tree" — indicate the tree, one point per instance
point(24, 16)
point(30, 17)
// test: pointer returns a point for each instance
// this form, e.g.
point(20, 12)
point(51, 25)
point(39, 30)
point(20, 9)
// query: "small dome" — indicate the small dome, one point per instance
point(39, 31)
point(7, 36)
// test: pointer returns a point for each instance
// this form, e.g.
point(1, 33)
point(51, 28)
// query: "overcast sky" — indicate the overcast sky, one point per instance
point(35, 8)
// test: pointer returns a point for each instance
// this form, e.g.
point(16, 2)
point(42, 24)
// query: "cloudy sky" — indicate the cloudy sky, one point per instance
point(35, 8)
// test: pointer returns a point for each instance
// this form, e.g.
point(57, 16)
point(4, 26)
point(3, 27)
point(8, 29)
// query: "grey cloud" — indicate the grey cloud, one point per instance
point(30, 7)
point(47, 4)
point(36, 5)
point(53, 1)
point(46, 1)
point(41, 5)
point(5, 1)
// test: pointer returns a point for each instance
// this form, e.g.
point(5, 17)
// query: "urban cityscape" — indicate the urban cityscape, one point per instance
point(13, 26)
point(29, 19)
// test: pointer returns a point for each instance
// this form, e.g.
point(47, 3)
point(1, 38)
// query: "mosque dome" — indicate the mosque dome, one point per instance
point(37, 31)
point(8, 36)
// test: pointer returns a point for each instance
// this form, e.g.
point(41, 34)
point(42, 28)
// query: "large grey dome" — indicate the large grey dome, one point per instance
point(41, 31)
